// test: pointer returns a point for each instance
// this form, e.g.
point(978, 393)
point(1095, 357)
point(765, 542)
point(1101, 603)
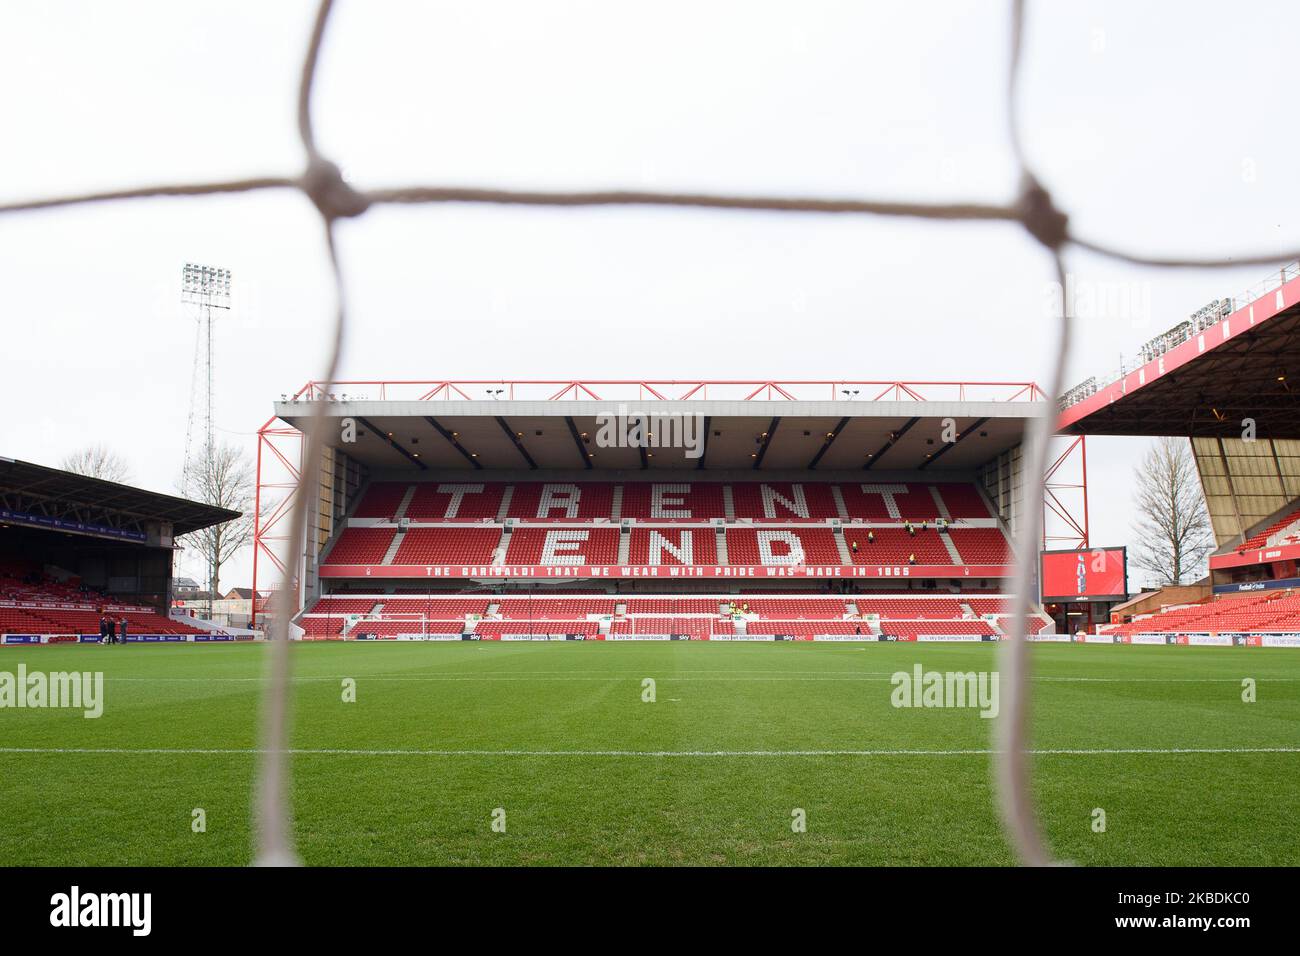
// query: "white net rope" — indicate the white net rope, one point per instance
point(322, 182)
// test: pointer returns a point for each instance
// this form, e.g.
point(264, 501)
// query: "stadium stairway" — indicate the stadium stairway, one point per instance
point(503, 546)
point(939, 503)
point(625, 534)
point(842, 547)
point(397, 539)
point(840, 508)
point(403, 505)
point(506, 497)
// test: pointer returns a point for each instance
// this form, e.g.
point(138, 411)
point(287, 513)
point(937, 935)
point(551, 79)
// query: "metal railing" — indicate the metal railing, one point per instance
point(1205, 317)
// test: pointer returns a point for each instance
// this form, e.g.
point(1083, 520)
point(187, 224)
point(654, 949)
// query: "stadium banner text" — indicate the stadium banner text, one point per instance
point(666, 571)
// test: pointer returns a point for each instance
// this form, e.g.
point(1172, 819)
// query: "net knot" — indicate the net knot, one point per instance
point(1039, 216)
point(324, 183)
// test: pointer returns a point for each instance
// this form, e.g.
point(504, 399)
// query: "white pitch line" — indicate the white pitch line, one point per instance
point(341, 752)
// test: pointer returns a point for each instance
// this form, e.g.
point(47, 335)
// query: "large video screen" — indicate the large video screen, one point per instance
point(1096, 574)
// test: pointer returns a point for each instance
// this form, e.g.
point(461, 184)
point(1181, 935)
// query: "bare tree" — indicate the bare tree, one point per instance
point(1173, 525)
point(97, 461)
point(224, 480)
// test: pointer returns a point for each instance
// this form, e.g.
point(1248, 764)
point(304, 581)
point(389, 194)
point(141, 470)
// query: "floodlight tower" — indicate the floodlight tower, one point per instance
point(206, 288)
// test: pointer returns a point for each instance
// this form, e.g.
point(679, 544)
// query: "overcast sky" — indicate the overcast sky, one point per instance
point(1161, 127)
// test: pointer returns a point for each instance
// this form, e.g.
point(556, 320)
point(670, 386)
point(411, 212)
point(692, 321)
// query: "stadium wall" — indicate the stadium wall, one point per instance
point(1002, 481)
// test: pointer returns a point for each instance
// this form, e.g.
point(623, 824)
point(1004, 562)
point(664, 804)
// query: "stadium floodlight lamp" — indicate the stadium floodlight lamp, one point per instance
point(205, 285)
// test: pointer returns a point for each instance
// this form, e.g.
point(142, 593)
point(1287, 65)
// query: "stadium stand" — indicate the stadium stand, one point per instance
point(558, 609)
point(381, 500)
point(784, 501)
point(338, 605)
point(673, 501)
point(697, 628)
point(891, 502)
point(901, 615)
point(38, 605)
point(668, 523)
point(1286, 530)
point(448, 546)
point(36, 619)
point(767, 524)
point(915, 629)
point(675, 605)
point(649, 546)
point(981, 545)
point(456, 501)
point(563, 546)
point(963, 501)
point(32, 602)
point(1270, 611)
point(896, 545)
point(362, 546)
point(677, 501)
point(562, 501)
point(782, 546)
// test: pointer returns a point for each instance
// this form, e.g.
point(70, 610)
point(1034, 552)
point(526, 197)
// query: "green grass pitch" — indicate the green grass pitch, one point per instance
point(738, 738)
